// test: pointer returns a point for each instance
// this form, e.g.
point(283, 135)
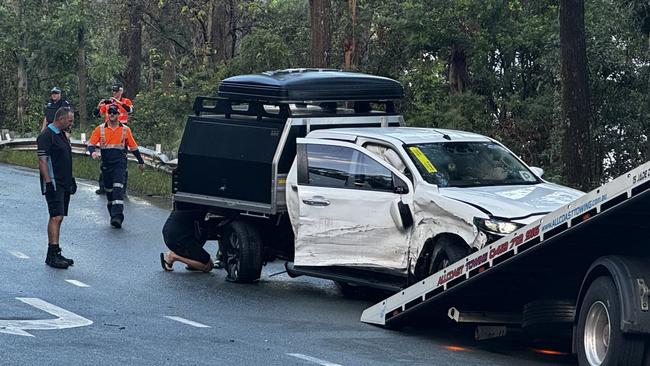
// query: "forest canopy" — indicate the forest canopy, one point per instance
point(487, 66)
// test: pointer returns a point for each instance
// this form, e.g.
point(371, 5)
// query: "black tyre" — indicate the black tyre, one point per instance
point(446, 252)
point(599, 337)
point(242, 251)
point(549, 320)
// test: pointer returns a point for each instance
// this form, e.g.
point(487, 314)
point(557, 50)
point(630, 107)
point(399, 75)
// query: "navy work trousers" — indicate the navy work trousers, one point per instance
point(114, 177)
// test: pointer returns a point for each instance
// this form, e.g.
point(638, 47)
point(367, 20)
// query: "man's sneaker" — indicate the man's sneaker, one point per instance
point(54, 258)
point(116, 221)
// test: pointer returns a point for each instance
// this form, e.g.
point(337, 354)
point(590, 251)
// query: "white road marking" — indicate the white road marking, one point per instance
point(18, 254)
point(312, 359)
point(186, 321)
point(65, 319)
point(77, 283)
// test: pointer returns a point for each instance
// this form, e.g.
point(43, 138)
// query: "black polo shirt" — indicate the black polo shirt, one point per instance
point(51, 107)
point(55, 146)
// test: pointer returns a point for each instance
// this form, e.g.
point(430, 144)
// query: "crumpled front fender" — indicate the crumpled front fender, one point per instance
point(434, 215)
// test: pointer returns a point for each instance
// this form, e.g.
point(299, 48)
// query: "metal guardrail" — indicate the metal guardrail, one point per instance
point(151, 157)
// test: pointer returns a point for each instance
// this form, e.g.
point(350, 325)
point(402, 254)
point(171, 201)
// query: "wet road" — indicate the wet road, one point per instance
point(143, 316)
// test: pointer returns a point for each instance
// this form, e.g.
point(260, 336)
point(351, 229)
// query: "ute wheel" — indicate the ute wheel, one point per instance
point(599, 339)
point(242, 251)
point(446, 252)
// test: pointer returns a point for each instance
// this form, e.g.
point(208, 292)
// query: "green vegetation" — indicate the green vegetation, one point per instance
point(488, 66)
point(150, 183)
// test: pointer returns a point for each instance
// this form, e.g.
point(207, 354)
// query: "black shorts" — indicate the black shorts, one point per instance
point(181, 238)
point(57, 202)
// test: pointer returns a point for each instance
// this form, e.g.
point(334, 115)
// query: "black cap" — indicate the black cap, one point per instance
point(116, 87)
point(55, 90)
point(112, 109)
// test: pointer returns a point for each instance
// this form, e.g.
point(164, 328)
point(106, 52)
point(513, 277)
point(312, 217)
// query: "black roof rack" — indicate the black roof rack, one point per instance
point(309, 85)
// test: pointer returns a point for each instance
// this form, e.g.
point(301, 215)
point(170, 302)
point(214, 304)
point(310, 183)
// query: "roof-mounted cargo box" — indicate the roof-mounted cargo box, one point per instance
point(310, 85)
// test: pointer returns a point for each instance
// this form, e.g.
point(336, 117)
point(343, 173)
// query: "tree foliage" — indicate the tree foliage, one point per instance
point(489, 66)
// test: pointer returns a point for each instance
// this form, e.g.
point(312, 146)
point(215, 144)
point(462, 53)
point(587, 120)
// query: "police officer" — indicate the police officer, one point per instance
point(125, 106)
point(57, 182)
point(111, 137)
point(55, 102)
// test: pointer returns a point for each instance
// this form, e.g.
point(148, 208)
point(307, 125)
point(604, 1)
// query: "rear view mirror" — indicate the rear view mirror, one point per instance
point(538, 171)
point(399, 186)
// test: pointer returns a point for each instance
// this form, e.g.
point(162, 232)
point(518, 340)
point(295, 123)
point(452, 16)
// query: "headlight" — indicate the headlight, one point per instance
point(496, 226)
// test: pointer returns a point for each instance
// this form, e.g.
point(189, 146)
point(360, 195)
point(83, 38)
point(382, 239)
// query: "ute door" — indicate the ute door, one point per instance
point(353, 209)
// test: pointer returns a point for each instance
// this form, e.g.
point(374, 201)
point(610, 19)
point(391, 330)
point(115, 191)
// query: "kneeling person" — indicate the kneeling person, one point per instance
point(111, 138)
point(184, 243)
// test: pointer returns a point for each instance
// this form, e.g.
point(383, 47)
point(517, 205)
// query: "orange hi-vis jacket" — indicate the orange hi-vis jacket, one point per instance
point(112, 141)
point(124, 114)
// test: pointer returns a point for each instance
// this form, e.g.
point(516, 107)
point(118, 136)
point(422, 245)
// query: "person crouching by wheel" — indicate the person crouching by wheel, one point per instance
point(186, 246)
point(111, 137)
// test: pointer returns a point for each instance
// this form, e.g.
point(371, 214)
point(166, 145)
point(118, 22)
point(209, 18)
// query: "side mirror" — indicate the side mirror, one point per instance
point(399, 186)
point(538, 171)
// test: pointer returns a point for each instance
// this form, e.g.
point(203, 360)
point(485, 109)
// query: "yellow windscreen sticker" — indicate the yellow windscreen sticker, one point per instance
point(423, 159)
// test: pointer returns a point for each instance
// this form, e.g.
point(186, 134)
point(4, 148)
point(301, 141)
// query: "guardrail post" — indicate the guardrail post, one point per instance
point(83, 137)
point(8, 137)
point(158, 148)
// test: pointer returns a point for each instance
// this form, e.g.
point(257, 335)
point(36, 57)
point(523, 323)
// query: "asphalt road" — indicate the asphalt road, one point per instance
point(143, 316)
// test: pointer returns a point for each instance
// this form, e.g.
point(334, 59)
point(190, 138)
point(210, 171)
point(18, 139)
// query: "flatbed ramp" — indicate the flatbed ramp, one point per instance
point(612, 219)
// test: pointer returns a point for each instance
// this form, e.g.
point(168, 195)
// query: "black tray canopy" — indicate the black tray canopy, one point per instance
point(310, 85)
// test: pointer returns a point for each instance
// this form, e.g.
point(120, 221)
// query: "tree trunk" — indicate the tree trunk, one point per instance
point(219, 31)
point(169, 66)
point(319, 12)
point(351, 58)
point(21, 92)
point(457, 69)
point(82, 73)
point(132, 49)
point(579, 163)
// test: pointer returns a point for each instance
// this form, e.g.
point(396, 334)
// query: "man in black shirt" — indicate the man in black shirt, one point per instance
point(57, 182)
point(55, 102)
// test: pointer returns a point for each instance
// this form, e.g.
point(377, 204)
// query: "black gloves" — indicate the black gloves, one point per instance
point(49, 188)
point(73, 186)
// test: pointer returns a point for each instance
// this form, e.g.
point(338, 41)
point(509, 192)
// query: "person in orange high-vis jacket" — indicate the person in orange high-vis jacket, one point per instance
point(111, 137)
point(125, 107)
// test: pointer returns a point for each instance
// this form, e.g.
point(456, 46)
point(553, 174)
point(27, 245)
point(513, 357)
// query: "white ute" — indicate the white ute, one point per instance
point(408, 200)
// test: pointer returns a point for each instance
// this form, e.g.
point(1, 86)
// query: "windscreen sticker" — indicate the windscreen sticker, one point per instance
point(526, 176)
point(423, 159)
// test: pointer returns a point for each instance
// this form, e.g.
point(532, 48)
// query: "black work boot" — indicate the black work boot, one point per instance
point(100, 191)
point(116, 221)
point(70, 261)
point(54, 258)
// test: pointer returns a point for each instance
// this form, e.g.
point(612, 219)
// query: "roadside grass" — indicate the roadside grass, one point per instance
point(152, 182)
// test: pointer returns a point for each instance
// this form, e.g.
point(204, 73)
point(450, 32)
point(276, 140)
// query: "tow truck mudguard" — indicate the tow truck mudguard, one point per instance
point(631, 276)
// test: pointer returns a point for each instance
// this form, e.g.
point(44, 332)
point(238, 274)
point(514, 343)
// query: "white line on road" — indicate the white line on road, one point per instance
point(186, 321)
point(18, 254)
point(77, 283)
point(64, 319)
point(312, 359)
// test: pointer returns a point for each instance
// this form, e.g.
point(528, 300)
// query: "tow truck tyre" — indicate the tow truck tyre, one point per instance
point(446, 252)
point(600, 339)
point(243, 252)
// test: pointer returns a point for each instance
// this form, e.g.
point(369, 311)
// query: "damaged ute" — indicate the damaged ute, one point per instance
point(315, 167)
point(409, 200)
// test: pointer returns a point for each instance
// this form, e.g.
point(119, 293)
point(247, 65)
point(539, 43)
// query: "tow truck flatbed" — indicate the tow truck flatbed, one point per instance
point(602, 234)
